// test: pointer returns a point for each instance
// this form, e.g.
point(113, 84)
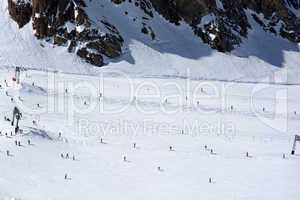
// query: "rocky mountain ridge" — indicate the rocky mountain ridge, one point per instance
point(221, 24)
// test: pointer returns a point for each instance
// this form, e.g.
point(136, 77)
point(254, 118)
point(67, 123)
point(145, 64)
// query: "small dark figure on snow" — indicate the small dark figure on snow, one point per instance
point(158, 168)
point(38, 105)
point(247, 154)
point(32, 84)
point(62, 155)
point(283, 156)
point(211, 151)
point(264, 110)
point(210, 180)
point(171, 148)
point(205, 147)
point(28, 142)
point(124, 159)
point(66, 176)
point(12, 99)
point(6, 119)
point(7, 153)
point(66, 90)
point(231, 108)
point(67, 156)
point(6, 93)
point(59, 134)
point(16, 142)
point(101, 140)
point(73, 158)
point(19, 143)
point(134, 145)
point(295, 113)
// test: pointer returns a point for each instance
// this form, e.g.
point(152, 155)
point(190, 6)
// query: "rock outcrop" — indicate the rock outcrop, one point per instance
point(20, 11)
point(65, 23)
point(222, 24)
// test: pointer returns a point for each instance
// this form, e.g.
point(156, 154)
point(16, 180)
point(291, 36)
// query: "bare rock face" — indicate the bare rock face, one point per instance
point(229, 22)
point(20, 11)
point(65, 23)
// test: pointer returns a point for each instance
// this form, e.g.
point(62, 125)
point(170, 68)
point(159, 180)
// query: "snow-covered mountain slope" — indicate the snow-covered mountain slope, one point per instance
point(210, 132)
point(175, 51)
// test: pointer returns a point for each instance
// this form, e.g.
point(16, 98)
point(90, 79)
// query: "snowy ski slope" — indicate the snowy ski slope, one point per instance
point(211, 108)
point(124, 112)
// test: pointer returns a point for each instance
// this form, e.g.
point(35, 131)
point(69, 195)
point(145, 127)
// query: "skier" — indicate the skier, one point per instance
point(67, 156)
point(19, 143)
point(247, 154)
point(62, 155)
point(73, 158)
point(124, 159)
point(7, 153)
point(134, 145)
point(171, 148)
point(28, 142)
point(66, 176)
point(101, 140)
point(6, 119)
point(16, 142)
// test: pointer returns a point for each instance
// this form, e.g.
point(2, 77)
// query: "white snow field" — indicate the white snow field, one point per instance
point(211, 108)
point(154, 114)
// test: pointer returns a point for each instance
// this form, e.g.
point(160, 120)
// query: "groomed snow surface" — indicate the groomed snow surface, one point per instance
point(140, 106)
point(140, 119)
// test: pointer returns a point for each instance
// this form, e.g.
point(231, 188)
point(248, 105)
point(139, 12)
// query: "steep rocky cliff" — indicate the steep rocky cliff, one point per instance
point(221, 24)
